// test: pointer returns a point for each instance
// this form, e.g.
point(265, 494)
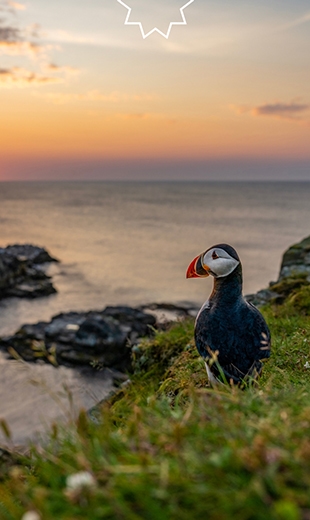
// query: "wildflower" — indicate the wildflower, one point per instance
point(31, 515)
point(307, 364)
point(80, 480)
point(80, 486)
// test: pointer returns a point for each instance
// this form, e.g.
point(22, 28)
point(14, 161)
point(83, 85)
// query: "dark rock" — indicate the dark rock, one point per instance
point(98, 338)
point(136, 319)
point(296, 260)
point(165, 313)
point(64, 326)
point(32, 289)
point(28, 253)
point(262, 297)
point(22, 272)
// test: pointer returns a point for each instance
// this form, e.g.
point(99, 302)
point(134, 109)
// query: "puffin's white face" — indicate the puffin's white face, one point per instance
point(216, 261)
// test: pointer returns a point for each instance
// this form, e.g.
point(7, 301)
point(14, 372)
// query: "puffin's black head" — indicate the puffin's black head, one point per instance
point(219, 261)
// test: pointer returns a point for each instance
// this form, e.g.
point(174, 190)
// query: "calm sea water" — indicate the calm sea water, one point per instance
point(130, 243)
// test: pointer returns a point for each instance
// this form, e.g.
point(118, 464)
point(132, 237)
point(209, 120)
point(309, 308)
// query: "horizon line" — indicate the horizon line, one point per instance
point(158, 181)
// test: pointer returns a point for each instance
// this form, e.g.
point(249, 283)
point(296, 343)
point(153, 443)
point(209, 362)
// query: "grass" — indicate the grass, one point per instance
point(167, 447)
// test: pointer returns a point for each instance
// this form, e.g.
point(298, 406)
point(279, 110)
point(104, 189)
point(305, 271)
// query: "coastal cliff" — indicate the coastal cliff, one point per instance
point(166, 446)
point(22, 272)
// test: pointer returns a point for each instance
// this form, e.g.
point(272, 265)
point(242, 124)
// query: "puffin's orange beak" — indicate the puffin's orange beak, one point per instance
point(196, 269)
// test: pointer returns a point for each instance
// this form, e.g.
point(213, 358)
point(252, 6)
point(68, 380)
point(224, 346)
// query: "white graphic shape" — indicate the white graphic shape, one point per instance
point(165, 35)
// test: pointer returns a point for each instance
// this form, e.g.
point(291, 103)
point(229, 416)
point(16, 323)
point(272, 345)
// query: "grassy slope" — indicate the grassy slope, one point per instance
point(168, 448)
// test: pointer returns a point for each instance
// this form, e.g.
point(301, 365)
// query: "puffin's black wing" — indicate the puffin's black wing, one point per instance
point(260, 344)
point(241, 340)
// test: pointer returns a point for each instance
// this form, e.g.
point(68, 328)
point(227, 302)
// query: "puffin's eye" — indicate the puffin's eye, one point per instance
point(215, 255)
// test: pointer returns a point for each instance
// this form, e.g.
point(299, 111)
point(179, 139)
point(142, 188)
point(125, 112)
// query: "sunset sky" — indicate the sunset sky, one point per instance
point(82, 96)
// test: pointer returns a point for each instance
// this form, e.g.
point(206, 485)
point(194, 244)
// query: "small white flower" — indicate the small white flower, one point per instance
point(31, 515)
point(307, 365)
point(79, 481)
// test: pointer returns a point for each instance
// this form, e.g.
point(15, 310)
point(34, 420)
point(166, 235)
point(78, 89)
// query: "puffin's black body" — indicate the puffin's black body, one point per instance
point(230, 327)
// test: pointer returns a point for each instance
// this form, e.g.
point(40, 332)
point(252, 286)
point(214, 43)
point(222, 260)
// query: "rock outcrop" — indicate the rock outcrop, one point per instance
point(294, 273)
point(296, 260)
point(22, 272)
point(165, 313)
point(97, 338)
point(92, 338)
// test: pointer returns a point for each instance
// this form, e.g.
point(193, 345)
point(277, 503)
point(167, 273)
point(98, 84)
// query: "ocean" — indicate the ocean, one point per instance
point(131, 242)
point(128, 243)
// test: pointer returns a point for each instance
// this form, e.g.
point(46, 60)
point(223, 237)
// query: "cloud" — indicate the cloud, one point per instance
point(21, 77)
point(154, 116)
point(292, 111)
point(96, 95)
point(16, 5)
point(52, 68)
point(299, 21)
point(16, 42)
point(281, 110)
point(9, 29)
point(19, 48)
point(9, 34)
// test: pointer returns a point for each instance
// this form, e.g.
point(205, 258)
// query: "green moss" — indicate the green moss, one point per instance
point(300, 300)
point(296, 253)
point(158, 353)
point(294, 296)
point(186, 373)
point(286, 286)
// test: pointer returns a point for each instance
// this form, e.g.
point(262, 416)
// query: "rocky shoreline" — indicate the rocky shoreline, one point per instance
point(22, 272)
point(105, 338)
point(95, 338)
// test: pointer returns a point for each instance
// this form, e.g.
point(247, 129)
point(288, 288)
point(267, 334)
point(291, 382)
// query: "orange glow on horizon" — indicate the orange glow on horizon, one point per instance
point(68, 131)
point(233, 86)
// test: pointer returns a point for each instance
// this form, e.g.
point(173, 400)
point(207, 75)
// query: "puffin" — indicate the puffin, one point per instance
point(231, 334)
